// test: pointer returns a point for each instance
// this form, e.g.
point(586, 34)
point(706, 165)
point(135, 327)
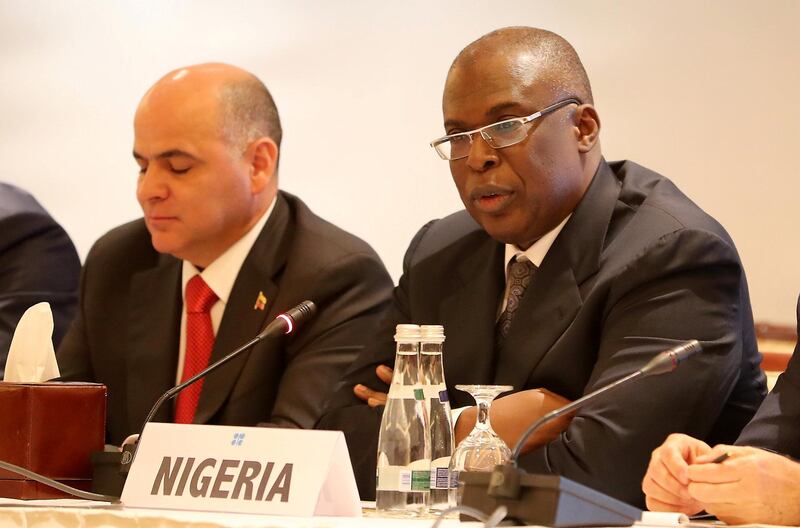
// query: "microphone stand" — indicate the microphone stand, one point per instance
point(549, 500)
point(284, 323)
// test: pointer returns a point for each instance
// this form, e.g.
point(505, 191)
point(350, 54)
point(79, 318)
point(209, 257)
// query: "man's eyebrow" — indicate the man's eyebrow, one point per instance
point(452, 123)
point(490, 114)
point(166, 154)
point(501, 107)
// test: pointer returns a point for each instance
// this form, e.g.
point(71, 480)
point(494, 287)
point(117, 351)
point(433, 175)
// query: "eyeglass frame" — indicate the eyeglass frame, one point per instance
point(488, 139)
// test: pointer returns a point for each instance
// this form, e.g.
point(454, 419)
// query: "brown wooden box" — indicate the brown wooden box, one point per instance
point(51, 429)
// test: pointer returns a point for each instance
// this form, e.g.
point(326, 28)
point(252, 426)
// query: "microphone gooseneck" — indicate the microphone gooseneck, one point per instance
point(505, 480)
point(664, 362)
point(285, 323)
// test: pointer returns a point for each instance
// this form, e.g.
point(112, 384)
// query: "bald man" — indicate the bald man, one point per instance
point(564, 273)
point(219, 253)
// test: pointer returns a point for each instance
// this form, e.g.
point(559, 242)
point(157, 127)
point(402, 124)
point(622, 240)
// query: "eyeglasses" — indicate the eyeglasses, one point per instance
point(497, 135)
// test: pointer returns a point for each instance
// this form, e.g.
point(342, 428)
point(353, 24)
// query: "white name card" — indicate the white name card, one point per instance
point(242, 470)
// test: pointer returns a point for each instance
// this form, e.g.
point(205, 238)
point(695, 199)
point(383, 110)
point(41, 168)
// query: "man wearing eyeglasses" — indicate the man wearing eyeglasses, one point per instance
point(564, 274)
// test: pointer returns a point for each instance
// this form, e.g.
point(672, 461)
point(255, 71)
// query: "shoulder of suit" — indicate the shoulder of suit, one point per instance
point(15, 201)
point(129, 244)
point(321, 236)
point(23, 218)
point(656, 199)
point(452, 231)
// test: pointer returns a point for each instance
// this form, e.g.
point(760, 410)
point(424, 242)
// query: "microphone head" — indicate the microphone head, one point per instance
point(669, 360)
point(291, 319)
point(303, 311)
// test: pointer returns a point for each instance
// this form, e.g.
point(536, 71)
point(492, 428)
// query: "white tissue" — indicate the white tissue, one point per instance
point(31, 358)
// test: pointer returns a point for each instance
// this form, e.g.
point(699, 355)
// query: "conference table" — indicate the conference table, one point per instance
point(88, 514)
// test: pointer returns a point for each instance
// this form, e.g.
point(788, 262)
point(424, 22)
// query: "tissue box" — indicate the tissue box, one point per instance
point(51, 429)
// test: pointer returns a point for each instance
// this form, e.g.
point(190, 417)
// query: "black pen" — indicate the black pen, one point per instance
point(722, 458)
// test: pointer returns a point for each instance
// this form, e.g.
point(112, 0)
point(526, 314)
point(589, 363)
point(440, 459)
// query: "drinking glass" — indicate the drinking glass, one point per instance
point(482, 450)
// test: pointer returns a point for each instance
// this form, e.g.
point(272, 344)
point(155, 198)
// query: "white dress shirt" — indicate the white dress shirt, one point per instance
point(220, 276)
point(535, 254)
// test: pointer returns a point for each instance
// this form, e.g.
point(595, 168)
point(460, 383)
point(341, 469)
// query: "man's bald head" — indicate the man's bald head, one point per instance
point(206, 142)
point(545, 56)
point(244, 108)
point(521, 190)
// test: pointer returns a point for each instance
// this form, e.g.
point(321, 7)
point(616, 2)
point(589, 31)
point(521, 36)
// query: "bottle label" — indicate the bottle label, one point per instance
point(393, 478)
point(401, 392)
point(443, 396)
point(440, 473)
point(432, 392)
point(401, 478)
point(420, 480)
point(453, 479)
point(419, 394)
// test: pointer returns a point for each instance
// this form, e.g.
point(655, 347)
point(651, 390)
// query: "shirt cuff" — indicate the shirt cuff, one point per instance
point(455, 413)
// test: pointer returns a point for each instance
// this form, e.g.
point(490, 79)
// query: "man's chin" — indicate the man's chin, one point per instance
point(162, 245)
point(500, 230)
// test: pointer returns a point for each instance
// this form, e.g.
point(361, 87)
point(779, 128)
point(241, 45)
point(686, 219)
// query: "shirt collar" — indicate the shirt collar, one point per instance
point(538, 249)
point(221, 274)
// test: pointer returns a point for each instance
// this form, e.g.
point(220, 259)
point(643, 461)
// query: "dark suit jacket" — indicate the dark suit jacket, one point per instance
point(37, 263)
point(636, 269)
point(126, 332)
point(776, 425)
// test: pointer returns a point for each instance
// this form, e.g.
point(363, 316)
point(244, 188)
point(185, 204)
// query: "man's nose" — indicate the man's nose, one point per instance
point(481, 157)
point(151, 186)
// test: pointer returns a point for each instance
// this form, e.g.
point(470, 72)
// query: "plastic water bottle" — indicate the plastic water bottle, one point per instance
point(438, 407)
point(404, 456)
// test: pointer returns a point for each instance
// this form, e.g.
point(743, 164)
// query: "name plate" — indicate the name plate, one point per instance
point(242, 470)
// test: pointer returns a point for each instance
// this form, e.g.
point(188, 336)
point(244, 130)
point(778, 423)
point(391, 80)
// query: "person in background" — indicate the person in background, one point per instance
point(755, 481)
point(38, 262)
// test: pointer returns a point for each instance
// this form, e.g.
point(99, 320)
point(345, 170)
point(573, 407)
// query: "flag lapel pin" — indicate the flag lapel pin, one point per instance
point(261, 301)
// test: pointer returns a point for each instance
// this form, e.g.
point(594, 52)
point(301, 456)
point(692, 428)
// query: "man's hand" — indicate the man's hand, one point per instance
point(512, 414)
point(372, 397)
point(751, 486)
point(666, 483)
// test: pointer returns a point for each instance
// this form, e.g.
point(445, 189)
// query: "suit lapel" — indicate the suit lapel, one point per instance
point(242, 320)
point(551, 302)
point(152, 338)
point(553, 297)
point(468, 315)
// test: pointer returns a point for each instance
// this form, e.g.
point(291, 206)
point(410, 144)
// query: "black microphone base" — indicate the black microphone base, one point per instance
point(106, 476)
point(549, 500)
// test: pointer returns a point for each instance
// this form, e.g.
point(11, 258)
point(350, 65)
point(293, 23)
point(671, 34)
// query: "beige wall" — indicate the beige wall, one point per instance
point(704, 92)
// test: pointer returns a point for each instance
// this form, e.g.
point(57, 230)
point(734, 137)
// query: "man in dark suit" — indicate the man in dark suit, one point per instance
point(216, 227)
point(608, 264)
point(758, 480)
point(38, 262)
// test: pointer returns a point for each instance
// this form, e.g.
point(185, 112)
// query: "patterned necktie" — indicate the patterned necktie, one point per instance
point(520, 273)
point(199, 343)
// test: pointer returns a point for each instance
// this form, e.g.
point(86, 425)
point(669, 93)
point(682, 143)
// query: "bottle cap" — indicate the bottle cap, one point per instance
point(432, 333)
point(407, 333)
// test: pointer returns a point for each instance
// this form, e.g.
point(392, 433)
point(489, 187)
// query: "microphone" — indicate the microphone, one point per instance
point(664, 362)
point(285, 323)
point(507, 483)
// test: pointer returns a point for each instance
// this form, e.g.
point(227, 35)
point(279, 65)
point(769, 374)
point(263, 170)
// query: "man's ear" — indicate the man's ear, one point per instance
point(263, 157)
point(587, 127)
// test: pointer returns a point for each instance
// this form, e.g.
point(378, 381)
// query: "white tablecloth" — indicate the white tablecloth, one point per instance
point(84, 514)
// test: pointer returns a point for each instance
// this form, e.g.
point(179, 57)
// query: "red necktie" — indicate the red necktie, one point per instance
point(199, 342)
